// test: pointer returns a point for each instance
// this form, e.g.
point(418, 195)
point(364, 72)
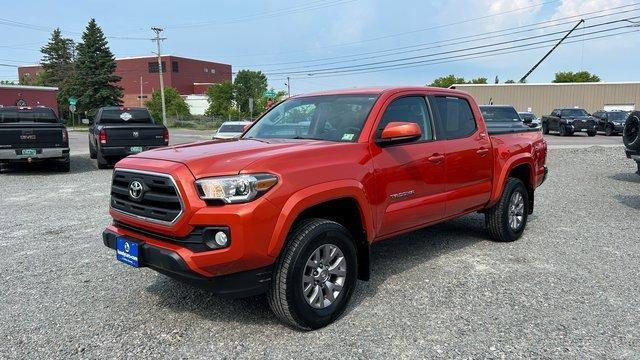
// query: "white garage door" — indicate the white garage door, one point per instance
point(622, 107)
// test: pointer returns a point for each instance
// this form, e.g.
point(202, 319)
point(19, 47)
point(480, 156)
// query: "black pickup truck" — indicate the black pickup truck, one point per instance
point(32, 134)
point(631, 137)
point(569, 121)
point(117, 132)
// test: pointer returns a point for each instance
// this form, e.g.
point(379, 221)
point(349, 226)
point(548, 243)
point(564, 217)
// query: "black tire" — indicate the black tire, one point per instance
point(562, 130)
point(609, 131)
point(92, 151)
point(497, 218)
point(545, 128)
point(631, 132)
point(592, 133)
point(102, 162)
point(63, 166)
point(4, 167)
point(285, 295)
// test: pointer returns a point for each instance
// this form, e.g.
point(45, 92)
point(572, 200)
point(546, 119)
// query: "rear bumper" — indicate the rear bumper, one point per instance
point(45, 153)
point(169, 262)
point(124, 151)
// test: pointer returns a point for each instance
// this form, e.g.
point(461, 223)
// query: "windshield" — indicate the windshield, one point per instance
point(231, 129)
point(619, 116)
point(328, 117)
point(527, 116)
point(499, 114)
point(40, 115)
point(574, 113)
point(124, 116)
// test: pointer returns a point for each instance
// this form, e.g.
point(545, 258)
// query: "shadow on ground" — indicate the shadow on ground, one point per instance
point(389, 258)
point(632, 201)
point(631, 177)
point(79, 164)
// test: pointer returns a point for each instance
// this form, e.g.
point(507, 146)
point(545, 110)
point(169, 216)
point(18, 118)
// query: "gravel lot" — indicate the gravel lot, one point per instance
point(568, 289)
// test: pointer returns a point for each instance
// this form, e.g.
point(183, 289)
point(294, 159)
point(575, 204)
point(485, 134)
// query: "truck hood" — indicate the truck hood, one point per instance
point(225, 157)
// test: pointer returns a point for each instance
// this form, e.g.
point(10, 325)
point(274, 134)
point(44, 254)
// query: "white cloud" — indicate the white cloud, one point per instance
point(576, 7)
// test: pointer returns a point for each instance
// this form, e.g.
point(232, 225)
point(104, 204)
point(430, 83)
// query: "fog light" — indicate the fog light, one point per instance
point(221, 238)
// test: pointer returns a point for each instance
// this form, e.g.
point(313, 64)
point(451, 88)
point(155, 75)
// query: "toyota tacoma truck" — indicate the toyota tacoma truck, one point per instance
point(31, 135)
point(631, 137)
point(292, 207)
point(569, 121)
point(117, 132)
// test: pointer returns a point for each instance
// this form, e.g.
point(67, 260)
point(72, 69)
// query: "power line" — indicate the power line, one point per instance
point(448, 42)
point(338, 68)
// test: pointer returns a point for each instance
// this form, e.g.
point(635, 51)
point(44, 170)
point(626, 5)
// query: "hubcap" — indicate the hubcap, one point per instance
point(516, 211)
point(324, 275)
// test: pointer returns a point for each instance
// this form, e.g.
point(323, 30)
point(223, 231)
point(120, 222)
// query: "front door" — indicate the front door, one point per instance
point(409, 176)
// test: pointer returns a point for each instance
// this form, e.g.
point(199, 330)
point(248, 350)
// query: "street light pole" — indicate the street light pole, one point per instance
point(157, 39)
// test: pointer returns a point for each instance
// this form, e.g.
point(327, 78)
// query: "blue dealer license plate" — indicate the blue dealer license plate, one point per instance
point(127, 251)
point(136, 149)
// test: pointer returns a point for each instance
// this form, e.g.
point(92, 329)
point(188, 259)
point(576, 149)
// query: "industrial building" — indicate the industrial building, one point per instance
point(140, 76)
point(544, 98)
point(18, 95)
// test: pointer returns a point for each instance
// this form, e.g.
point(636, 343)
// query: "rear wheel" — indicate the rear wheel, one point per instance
point(631, 132)
point(92, 151)
point(63, 165)
point(315, 275)
point(545, 128)
point(507, 219)
point(592, 133)
point(102, 162)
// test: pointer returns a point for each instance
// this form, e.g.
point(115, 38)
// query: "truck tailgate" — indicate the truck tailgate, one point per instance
point(31, 135)
point(142, 135)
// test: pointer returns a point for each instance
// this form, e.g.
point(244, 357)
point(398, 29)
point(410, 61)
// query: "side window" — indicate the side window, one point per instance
point(555, 113)
point(408, 109)
point(455, 117)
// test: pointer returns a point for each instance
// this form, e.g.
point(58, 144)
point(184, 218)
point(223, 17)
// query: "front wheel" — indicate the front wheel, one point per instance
point(507, 219)
point(545, 128)
point(592, 133)
point(315, 275)
point(562, 130)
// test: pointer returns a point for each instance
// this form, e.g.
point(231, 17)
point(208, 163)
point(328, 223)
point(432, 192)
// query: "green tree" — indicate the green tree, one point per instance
point(58, 57)
point(573, 77)
point(220, 99)
point(510, 82)
point(175, 104)
point(480, 80)
point(250, 84)
point(95, 84)
point(447, 81)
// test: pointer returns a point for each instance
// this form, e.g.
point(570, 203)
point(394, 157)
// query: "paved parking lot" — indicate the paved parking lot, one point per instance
point(568, 289)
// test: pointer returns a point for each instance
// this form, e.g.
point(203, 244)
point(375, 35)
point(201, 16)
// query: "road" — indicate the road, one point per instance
point(568, 289)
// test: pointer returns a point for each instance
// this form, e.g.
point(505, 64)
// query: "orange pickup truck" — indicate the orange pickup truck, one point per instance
point(292, 207)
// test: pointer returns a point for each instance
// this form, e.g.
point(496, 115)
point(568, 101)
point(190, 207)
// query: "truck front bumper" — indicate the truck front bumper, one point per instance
point(15, 155)
point(577, 126)
point(169, 263)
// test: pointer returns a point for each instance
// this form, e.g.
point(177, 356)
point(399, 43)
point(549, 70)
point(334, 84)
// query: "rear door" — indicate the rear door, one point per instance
point(410, 176)
point(468, 158)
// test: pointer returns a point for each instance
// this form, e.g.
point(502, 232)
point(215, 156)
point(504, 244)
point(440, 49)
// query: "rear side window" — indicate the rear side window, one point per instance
point(409, 109)
point(455, 117)
point(124, 116)
point(40, 115)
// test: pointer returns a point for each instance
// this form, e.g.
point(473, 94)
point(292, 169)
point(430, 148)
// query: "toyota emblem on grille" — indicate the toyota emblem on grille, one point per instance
point(135, 189)
point(136, 134)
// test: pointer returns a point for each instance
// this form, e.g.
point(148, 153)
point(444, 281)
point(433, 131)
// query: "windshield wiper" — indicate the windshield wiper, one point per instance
point(307, 138)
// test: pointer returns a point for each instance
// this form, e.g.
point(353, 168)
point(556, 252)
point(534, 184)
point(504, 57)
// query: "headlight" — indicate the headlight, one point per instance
point(235, 189)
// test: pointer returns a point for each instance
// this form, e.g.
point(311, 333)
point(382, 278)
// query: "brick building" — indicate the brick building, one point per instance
point(140, 76)
point(18, 95)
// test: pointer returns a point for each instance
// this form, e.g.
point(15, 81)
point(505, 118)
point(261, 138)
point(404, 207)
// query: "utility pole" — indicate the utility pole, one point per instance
point(157, 39)
point(288, 87)
point(524, 78)
point(142, 83)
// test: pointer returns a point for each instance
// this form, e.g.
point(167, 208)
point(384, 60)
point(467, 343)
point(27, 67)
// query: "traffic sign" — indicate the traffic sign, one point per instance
point(269, 93)
point(73, 101)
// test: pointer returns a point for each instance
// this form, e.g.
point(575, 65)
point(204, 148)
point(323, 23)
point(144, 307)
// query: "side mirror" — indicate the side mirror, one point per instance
point(86, 121)
point(399, 132)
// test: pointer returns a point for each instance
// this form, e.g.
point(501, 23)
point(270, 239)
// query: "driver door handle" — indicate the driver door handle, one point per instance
point(436, 158)
point(483, 151)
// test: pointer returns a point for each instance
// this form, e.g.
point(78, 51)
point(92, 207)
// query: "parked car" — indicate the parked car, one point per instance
point(530, 119)
point(567, 121)
point(611, 122)
point(33, 134)
point(502, 118)
point(631, 137)
point(292, 211)
point(117, 132)
point(231, 129)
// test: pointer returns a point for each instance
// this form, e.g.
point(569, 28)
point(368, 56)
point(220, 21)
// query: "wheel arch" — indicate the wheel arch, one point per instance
point(519, 167)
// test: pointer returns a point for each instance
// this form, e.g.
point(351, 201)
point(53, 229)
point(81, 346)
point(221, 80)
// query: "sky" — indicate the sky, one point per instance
point(328, 44)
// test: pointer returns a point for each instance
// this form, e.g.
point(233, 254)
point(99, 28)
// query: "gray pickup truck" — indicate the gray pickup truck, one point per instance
point(32, 135)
